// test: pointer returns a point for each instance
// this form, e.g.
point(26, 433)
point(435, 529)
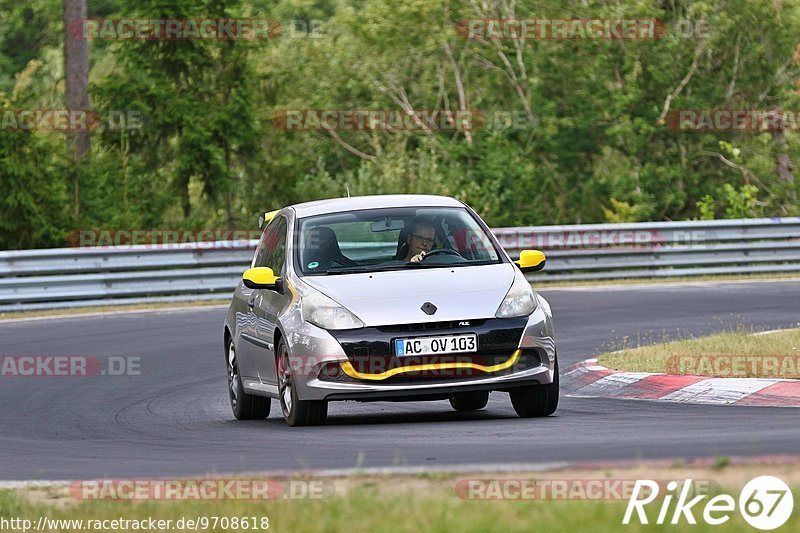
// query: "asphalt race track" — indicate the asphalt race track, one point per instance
point(174, 418)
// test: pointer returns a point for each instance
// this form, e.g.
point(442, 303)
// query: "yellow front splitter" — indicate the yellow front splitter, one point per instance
point(353, 373)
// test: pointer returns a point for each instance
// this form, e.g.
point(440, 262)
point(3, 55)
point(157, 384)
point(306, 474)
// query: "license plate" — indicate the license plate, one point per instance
point(436, 345)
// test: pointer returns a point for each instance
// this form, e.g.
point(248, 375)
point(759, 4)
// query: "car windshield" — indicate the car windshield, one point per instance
point(391, 239)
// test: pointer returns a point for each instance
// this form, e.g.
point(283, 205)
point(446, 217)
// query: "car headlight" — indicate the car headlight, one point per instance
point(322, 311)
point(519, 301)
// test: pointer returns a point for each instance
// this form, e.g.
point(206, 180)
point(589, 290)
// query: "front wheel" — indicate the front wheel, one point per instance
point(296, 412)
point(244, 406)
point(536, 400)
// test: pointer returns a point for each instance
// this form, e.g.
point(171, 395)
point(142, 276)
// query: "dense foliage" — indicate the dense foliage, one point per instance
point(589, 142)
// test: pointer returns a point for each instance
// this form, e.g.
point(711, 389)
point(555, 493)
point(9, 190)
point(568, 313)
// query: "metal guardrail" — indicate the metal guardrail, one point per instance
point(70, 277)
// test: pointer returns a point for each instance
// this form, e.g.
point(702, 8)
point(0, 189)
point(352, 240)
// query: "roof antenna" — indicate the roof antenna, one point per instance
point(347, 186)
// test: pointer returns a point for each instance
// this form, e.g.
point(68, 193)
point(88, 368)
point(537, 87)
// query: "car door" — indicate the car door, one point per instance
point(268, 304)
point(251, 346)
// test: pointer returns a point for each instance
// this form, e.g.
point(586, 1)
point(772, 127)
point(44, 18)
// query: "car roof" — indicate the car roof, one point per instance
point(337, 205)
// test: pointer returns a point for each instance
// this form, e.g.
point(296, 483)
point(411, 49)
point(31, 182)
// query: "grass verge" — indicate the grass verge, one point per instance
point(427, 502)
point(736, 354)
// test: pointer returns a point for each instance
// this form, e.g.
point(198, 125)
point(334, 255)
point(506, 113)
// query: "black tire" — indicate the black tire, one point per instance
point(536, 400)
point(469, 401)
point(244, 406)
point(296, 412)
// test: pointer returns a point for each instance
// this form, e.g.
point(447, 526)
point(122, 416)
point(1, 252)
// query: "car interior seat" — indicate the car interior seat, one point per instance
point(322, 247)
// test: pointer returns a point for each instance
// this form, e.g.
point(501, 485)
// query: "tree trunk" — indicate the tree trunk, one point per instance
point(76, 73)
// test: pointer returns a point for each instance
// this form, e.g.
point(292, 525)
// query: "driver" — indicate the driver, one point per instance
point(419, 241)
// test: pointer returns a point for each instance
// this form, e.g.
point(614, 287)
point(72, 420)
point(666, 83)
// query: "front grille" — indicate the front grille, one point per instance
point(372, 349)
point(430, 326)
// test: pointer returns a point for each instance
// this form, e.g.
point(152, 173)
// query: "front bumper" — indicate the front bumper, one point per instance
point(325, 390)
point(526, 343)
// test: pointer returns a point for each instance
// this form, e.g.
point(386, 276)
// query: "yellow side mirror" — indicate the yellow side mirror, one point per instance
point(265, 217)
point(260, 278)
point(531, 260)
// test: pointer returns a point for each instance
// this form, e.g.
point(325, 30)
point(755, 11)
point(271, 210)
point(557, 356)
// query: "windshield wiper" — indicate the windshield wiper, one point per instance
point(345, 270)
point(360, 269)
point(398, 266)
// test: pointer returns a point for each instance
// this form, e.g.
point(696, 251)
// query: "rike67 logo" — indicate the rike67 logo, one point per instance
point(765, 503)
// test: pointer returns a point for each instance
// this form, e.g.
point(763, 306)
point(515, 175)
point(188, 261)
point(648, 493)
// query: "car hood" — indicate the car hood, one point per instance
point(396, 297)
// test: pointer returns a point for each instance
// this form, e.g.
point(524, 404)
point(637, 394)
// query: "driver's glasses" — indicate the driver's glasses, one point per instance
point(425, 241)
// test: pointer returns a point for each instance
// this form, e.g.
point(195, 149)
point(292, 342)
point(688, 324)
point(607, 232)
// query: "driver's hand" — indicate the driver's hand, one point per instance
point(419, 257)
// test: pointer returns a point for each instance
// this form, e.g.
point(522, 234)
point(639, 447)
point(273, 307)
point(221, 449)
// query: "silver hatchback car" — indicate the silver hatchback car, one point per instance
point(386, 298)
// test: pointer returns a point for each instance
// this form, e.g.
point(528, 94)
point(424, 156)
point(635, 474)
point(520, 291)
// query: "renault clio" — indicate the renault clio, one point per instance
point(386, 298)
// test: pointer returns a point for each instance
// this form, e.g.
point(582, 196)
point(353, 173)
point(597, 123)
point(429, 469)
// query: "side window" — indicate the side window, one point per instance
point(264, 248)
point(278, 257)
point(272, 248)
